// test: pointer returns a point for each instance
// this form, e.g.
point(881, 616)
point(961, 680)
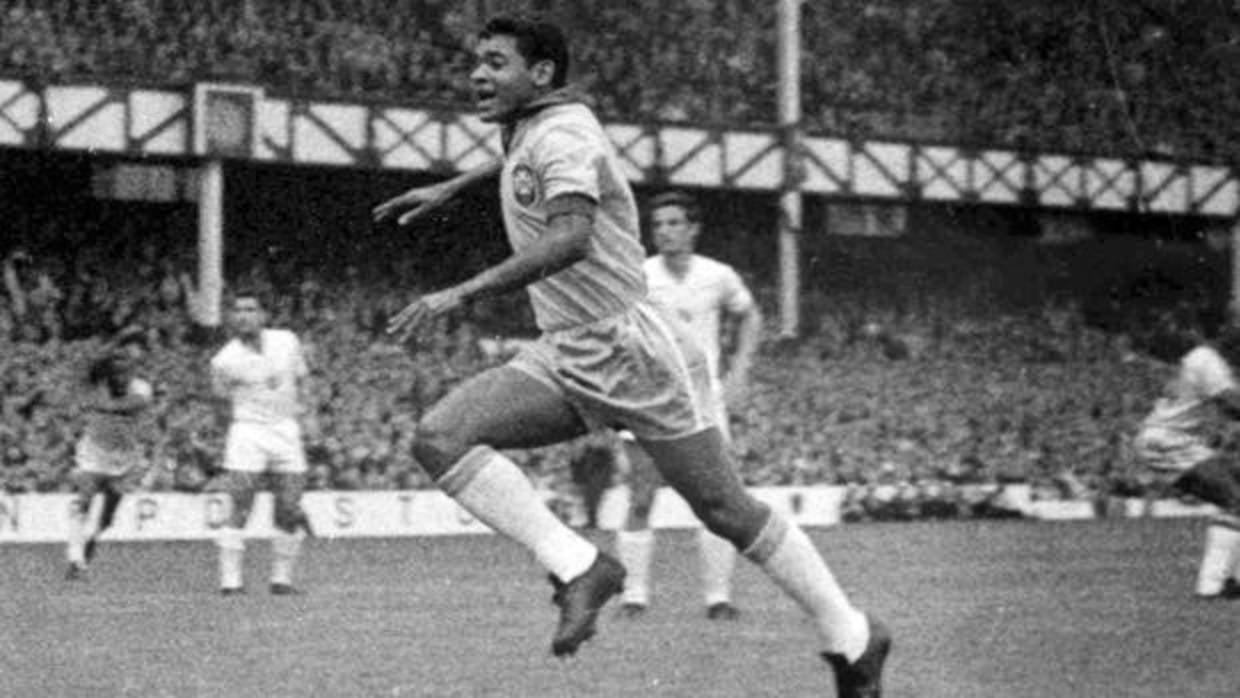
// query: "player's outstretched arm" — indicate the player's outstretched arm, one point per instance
point(566, 242)
point(419, 201)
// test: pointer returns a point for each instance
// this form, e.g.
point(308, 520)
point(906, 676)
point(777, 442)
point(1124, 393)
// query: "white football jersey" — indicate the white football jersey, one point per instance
point(262, 385)
point(1172, 436)
point(708, 290)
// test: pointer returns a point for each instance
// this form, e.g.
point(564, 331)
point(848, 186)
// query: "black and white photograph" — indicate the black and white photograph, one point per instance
point(619, 348)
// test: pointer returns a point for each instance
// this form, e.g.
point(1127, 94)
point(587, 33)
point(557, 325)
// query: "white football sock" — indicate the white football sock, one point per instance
point(498, 494)
point(285, 548)
point(785, 553)
point(75, 549)
point(231, 542)
point(717, 557)
point(1218, 558)
point(1235, 565)
point(635, 550)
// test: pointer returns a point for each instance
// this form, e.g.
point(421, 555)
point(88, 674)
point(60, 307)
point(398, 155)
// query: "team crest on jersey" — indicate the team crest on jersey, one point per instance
point(524, 185)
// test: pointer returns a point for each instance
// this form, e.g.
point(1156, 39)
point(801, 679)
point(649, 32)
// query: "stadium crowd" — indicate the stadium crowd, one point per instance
point(1109, 77)
point(873, 395)
point(878, 398)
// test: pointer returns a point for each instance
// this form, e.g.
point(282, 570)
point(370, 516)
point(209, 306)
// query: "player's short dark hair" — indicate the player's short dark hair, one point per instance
point(536, 40)
point(678, 198)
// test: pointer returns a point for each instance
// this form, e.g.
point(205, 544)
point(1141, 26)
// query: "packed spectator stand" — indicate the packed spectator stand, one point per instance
point(881, 390)
point(1105, 77)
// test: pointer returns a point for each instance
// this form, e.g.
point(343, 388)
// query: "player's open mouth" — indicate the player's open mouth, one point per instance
point(484, 100)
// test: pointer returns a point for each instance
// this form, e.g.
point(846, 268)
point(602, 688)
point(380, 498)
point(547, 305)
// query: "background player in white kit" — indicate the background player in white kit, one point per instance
point(262, 379)
point(111, 447)
point(703, 293)
point(1175, 440)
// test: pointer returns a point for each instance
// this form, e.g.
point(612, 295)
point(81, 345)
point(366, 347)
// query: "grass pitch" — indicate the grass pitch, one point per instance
point(1008, 610)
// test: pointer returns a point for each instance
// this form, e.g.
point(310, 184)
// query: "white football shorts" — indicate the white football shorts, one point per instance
point(254, 447)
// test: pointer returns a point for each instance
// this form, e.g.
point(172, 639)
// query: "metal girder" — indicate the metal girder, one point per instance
point(20, 115)
point(142, 122)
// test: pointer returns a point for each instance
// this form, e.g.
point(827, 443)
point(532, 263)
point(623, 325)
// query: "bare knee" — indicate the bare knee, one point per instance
point(85, 492)
point(240, 512)
point(81, 505)
point(438, 447)
point(85, 486)
point(287, 516)
point(738, 520)
point(240, 488)
point(641, 501)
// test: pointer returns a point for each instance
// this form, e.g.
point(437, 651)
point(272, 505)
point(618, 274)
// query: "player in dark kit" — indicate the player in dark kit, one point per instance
point(606, 358)
point(1175, 442)
point(111, 447)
